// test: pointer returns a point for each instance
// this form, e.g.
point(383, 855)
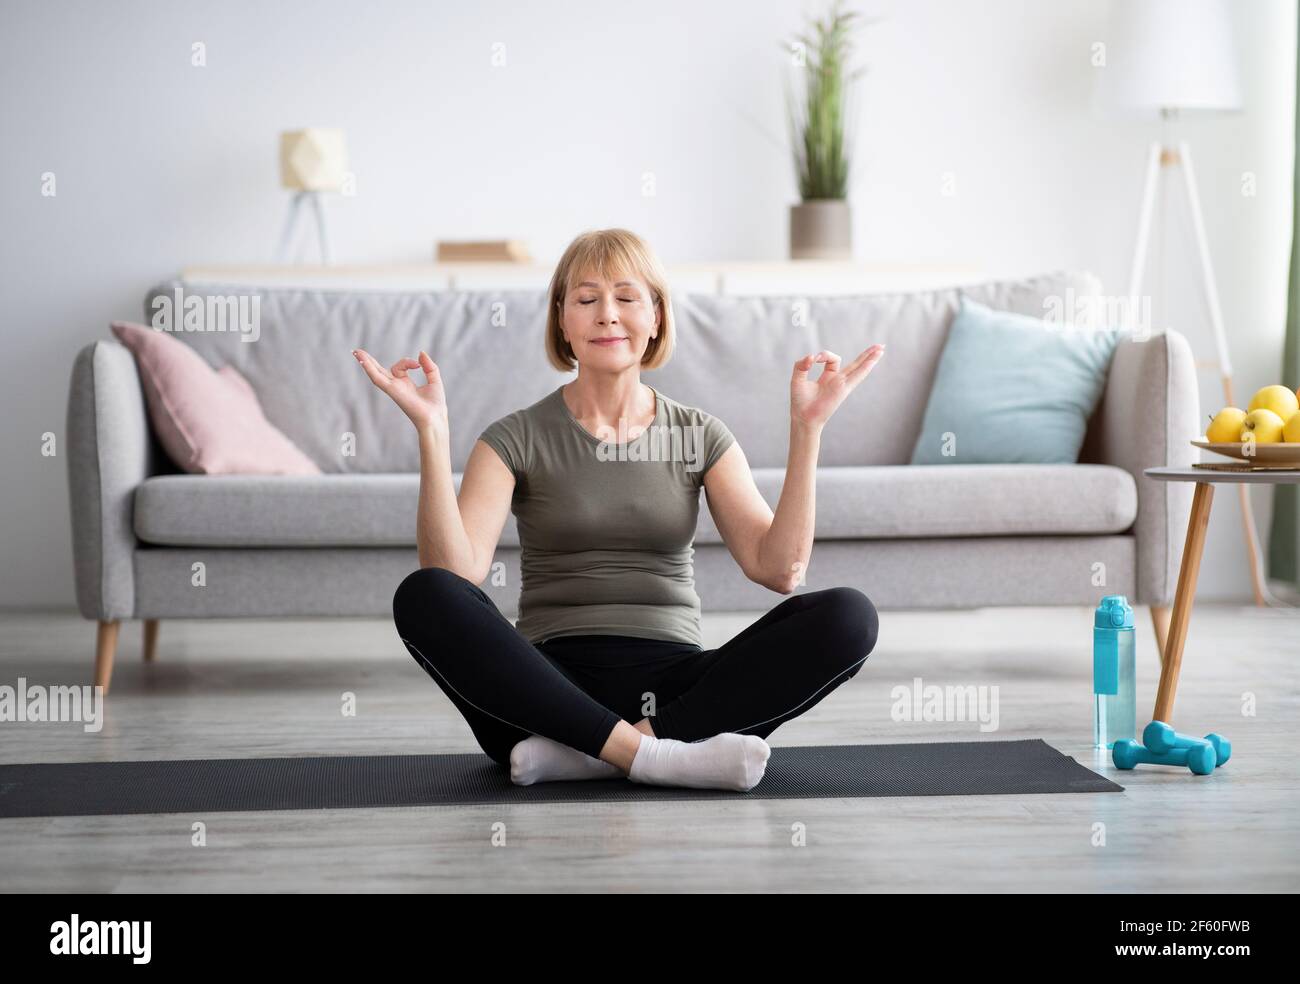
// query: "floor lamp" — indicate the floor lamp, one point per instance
point(1163, 59)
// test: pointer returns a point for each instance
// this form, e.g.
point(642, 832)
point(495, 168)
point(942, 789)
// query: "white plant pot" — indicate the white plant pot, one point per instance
point(821, 229)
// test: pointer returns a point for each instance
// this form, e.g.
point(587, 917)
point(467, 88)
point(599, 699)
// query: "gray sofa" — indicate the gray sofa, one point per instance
point(938, 536)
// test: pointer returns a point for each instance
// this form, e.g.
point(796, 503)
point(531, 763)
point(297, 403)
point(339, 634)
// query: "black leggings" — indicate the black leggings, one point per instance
point(575, 689)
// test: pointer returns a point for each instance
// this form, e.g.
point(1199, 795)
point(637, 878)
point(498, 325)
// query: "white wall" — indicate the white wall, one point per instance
point(160, 165)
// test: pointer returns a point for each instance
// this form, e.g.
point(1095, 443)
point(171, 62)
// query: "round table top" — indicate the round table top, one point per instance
point(1279, 476)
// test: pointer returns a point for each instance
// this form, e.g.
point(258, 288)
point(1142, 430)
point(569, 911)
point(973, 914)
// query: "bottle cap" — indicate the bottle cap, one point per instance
point(1113, 613)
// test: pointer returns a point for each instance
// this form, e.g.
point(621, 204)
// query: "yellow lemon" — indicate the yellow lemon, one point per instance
point(1225, 426)
point(1279, 399)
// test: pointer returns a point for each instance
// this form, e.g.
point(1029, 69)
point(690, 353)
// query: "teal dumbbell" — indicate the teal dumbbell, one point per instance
point(1199, 758)
point(1159, 737)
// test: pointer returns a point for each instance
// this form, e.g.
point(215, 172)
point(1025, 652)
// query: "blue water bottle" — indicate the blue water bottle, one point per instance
point(1114, 672)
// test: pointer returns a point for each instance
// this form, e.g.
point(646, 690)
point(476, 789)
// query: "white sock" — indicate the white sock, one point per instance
point(538, 759)
point(725, 761)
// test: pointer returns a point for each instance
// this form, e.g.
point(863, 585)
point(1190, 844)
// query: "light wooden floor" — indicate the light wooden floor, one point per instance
point(270, 688)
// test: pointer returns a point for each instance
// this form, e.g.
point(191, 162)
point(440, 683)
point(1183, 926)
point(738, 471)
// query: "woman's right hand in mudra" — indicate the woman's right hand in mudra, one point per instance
point(426, 405)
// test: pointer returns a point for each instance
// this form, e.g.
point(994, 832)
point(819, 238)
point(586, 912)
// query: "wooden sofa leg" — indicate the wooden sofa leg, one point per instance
point(150, 639)
point(105, 648)
point(1160, 619)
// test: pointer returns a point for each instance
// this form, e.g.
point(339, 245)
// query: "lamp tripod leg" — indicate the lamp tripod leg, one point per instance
point(319, 208)
point(286, 237)
point(1211, 290)
point(1143, 231)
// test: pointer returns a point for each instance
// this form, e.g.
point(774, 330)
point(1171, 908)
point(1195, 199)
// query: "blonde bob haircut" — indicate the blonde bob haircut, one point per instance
point(611, 254)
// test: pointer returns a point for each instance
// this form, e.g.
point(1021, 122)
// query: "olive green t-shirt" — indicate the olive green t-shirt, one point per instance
point(606, 529)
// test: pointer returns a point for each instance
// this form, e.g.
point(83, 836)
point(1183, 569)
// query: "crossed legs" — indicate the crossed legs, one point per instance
point(508, 689)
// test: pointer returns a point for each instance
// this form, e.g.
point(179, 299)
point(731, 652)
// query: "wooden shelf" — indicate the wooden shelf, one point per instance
point(730, 277)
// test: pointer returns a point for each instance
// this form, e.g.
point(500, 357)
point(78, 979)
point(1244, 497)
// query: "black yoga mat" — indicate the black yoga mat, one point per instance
point(343, 782)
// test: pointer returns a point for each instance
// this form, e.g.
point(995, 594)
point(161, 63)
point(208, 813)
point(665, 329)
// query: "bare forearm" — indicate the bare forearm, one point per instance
point(440, 532)
point(784, 551)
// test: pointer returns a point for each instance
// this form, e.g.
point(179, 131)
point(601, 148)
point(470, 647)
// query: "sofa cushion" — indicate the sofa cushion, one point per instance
point(488, 345)
point(866, 502)
point(904, 501)
point(210, 422)
point(1013, 389)
point(279, 511)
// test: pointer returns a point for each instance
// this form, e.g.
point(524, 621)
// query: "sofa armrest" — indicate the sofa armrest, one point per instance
point(1148, 415)
point(110, 451)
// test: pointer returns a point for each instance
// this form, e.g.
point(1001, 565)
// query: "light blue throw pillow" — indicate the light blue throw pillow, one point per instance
point(1013, 389)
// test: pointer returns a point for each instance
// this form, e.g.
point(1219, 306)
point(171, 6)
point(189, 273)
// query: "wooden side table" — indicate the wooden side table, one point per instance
point(1197, 523)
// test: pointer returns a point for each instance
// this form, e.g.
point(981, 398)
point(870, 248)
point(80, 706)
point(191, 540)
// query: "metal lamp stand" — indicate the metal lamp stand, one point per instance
point(314, 198)
point(1161, 157)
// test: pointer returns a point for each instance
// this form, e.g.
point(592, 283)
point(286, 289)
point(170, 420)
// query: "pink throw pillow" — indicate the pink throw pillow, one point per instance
point(209, 421)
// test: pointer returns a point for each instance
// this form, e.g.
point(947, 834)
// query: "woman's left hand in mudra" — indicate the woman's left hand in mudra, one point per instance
point(812, 401)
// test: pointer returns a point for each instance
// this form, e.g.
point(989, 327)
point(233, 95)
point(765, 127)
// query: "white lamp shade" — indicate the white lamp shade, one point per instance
point(1169, 55)
point(313, 159)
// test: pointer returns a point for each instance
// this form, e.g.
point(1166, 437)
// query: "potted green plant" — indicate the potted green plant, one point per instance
point(820, 136)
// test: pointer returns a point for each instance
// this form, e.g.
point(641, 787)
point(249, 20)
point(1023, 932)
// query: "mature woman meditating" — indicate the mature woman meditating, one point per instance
point(604, 674)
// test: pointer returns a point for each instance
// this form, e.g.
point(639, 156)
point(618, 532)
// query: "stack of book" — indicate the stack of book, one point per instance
point(483, 251)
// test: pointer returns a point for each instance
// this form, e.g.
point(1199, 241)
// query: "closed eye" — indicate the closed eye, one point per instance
point(626, 300)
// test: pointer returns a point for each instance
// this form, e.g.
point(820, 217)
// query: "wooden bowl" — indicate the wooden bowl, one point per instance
point(1265, 454)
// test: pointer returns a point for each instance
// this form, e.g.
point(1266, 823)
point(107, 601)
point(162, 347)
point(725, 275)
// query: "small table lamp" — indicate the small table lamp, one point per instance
point(312, 161)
